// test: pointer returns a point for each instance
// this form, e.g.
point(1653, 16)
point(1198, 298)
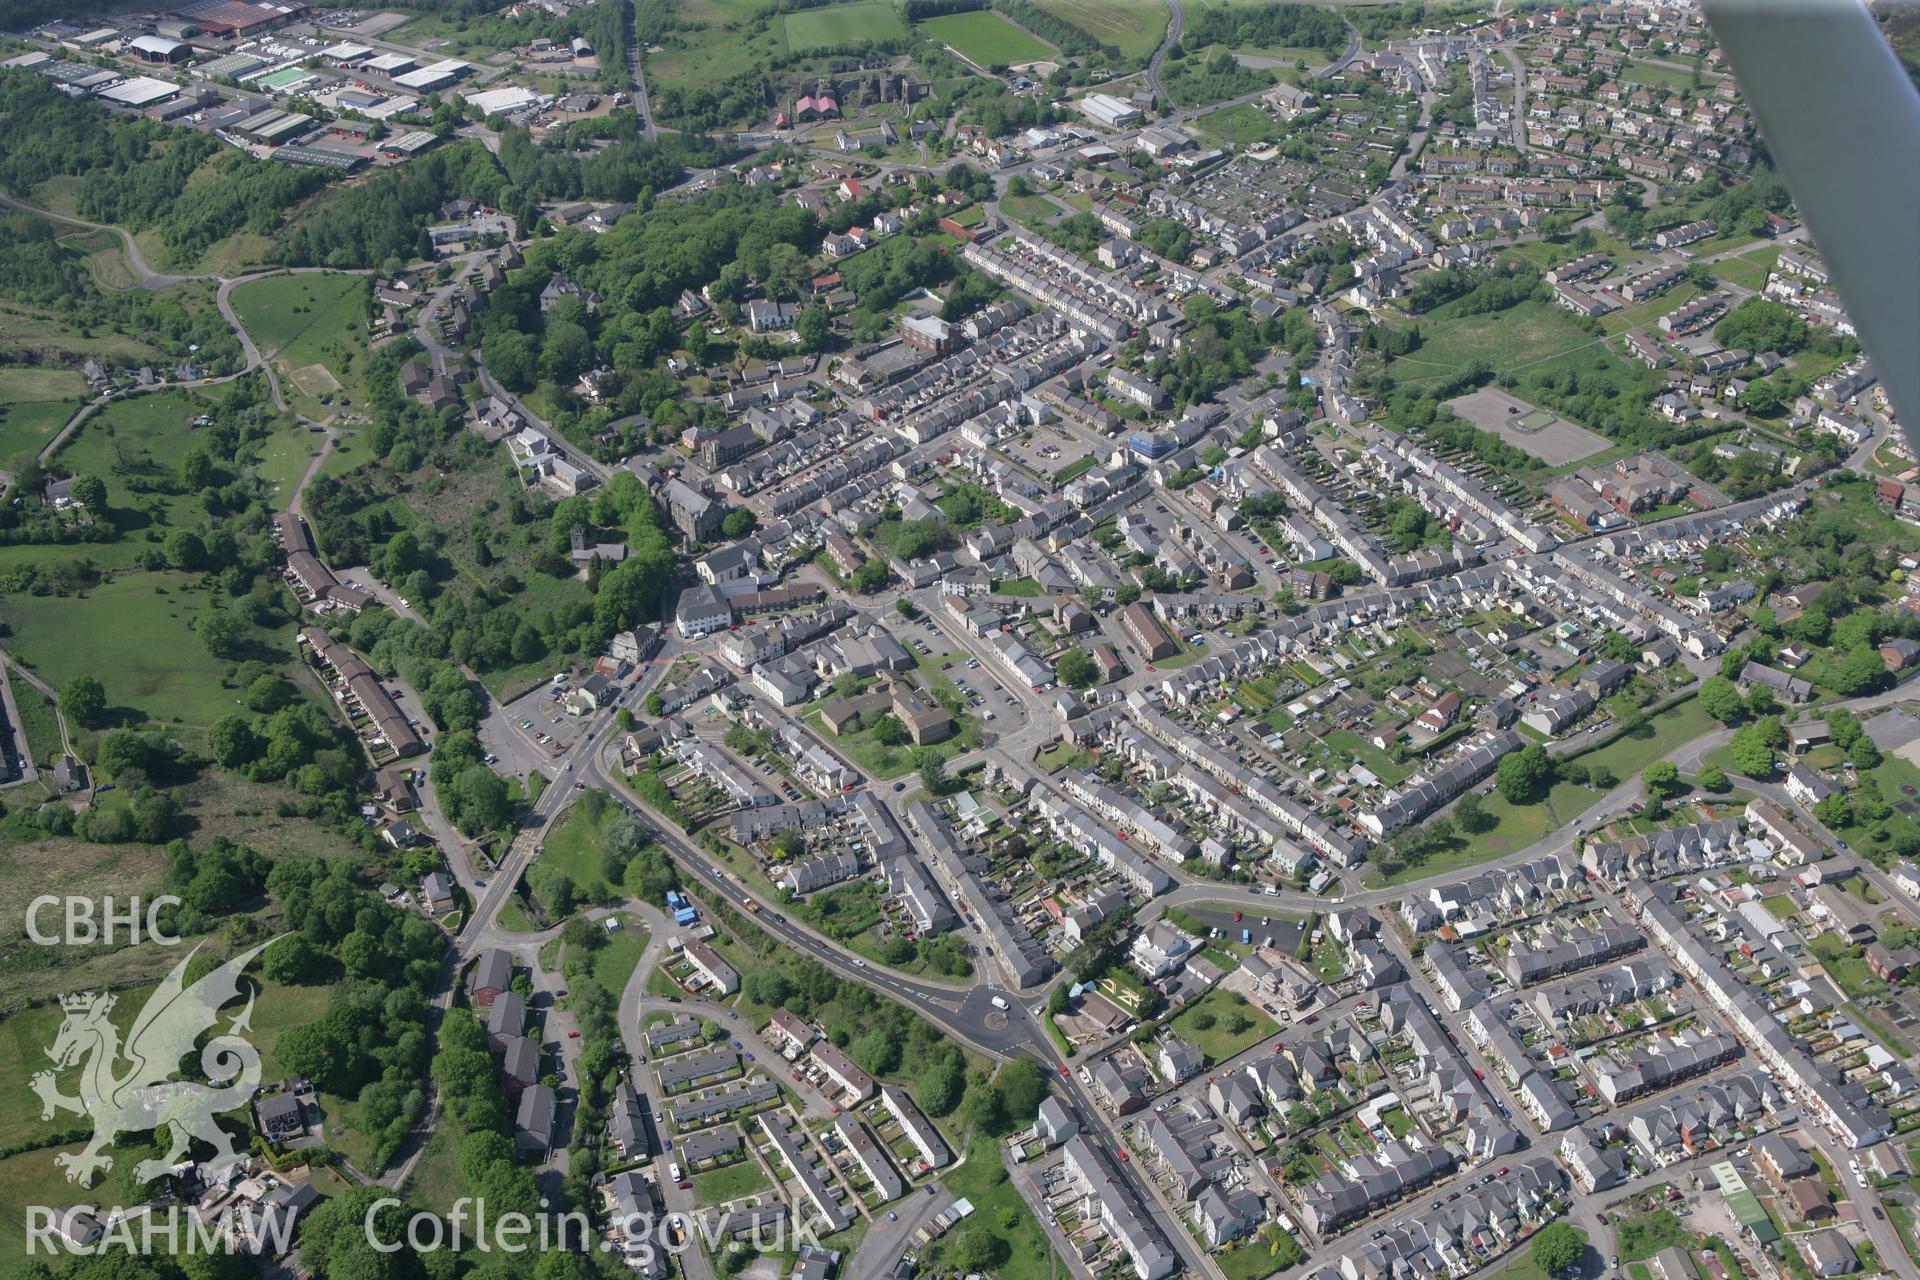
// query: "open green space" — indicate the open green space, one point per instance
point(718, 1186)
point(1898, 781)
point(1389, 770)
point(1658, 76)
point(284, 459)
point(1517, 826)
point(32, 1178)
point(1243, 126)
point(1643, 1236)
point(39, 382)
point(888, 762)
point(1034, 211)
point(843, 24)
point(435, 1182)
point(1134, 27)
point(26, 426)
point(614, 963)
point(1552, 252)
point(134, 440)
point(1661, 735)
point(136, 634)
point(985, 38)
point(1222, 1024)
point(1749, 270)
point(997, 1203)
point(1523, 1267)
point(25, 1035)
point(1520, 337)
point(1846, 965)
point(575, 848)
point(1256, 1257)
point(313, 327)
point(277, 310)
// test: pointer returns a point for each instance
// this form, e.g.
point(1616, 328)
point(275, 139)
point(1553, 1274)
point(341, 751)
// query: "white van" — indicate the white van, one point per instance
point(1000, 1002)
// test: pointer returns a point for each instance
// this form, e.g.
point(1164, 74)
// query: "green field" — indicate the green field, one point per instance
point(613, 964)
point(574, 847)
point(278, 309)
point(1243, 126)
point(1389, 770)
point(986, 38)
point(1217, 1040)
point(714, 41)
point(28, 382)
point(718, 1186)
point(1135, 27)
point(39, 723)
point(26, 426)
point(1035, 211)
point(1749, 270)
point(1532, 333)
point(843, 24)
point(303, 321)
point(132, 440)
point(1523, 1267)
point(135, 634)
point(284, 459)
point(1661, 77)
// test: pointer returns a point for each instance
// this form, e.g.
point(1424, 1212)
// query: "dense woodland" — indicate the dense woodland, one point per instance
point(1297, 26)
point(381, 219)
point(36, 269)
point(137, 172)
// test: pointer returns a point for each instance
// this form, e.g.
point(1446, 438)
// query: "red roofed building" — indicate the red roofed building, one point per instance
point(821, 108)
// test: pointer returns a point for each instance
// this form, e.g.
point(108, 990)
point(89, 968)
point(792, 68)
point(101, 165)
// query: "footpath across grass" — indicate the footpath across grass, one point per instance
point(136, 634)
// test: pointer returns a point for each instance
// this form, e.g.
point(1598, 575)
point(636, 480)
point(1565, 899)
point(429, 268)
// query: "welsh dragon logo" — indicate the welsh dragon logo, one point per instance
point(145, 1095)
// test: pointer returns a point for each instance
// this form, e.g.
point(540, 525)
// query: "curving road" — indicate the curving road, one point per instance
point(1176, 23)
point(149, 278)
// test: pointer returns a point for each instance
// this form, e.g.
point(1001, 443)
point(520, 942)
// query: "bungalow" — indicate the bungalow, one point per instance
point(1791, 688)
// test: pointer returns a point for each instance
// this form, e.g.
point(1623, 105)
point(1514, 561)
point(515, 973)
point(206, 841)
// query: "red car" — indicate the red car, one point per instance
point(1063, 1068)
point(573, 1035)
point(1237, 917)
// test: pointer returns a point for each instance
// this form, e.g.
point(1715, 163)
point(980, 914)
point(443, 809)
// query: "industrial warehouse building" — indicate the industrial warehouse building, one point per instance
point(156, 49)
